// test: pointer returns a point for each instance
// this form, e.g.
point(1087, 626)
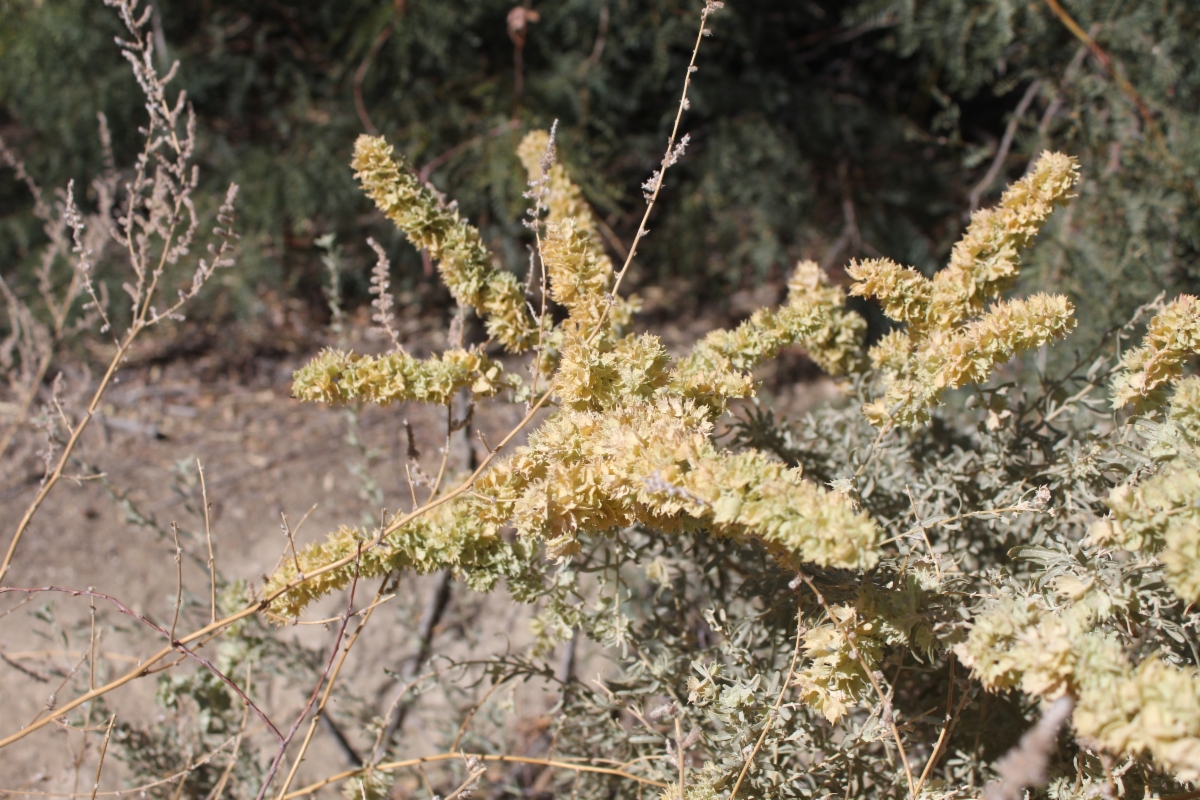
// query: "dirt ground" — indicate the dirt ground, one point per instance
point(264, 456)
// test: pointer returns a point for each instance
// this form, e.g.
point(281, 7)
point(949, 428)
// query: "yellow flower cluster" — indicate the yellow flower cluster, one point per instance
point(581, 273)
point(1161, 515)
point(630, 443)
point(835, 677)
point(338, 377)
point(650, 462)
point(1123, 709)
point(463, 260)
point(814, 317)
point(448, 536)
point(951, 337)
point(1172, 336)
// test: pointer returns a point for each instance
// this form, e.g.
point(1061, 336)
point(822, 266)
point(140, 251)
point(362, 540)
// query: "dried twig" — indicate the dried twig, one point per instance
point(156, 227)
point(1005, 145)
point(212, 561)
point(435, 606)
point(176, 645)
point(284, 741)
point(504, 759)
point(103, 752)
point(787, 682)
point(333, 676)
point(264, 603)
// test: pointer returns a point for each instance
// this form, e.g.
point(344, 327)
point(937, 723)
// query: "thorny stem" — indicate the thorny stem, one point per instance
point(884, 697)
point(787, 682)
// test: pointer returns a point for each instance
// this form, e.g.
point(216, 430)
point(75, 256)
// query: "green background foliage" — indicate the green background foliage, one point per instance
point(804, 115)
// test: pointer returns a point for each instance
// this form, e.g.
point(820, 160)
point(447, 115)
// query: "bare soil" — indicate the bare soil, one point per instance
point(264, 456)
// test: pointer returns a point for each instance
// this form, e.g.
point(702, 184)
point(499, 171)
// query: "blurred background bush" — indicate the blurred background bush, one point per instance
point(829, 130)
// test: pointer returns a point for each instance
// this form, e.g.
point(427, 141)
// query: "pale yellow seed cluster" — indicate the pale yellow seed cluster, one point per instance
point(650, 462)
point(338, 377)
point(951, 336)
point(1172, 336)
point(630, 443)
point(581, 273)
point(834, 677)
point(1122, 709)
point(653, 462)
point(602, 374)
point(455, 536)
point(463, 260)
point(1161, 514)
point(837, 346)
point(814, 317)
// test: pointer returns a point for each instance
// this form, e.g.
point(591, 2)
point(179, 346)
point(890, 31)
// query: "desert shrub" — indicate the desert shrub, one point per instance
point(974, 572)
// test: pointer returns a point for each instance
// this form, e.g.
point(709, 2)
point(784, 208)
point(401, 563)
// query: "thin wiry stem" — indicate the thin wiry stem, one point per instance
point(212, 561)
point(265, 602)
point(333, 676)
point(177, 645)
point(103, 752)
point(787, 682)
point(284, 741)
point(504, 759)
point(667, 161)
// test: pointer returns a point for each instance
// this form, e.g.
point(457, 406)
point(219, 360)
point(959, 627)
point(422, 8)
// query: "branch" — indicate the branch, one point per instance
point(312, 698)
point(413, 762)
point(176, 645)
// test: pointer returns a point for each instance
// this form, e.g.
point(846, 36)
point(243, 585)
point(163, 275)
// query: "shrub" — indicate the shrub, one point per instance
point(968, 559)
